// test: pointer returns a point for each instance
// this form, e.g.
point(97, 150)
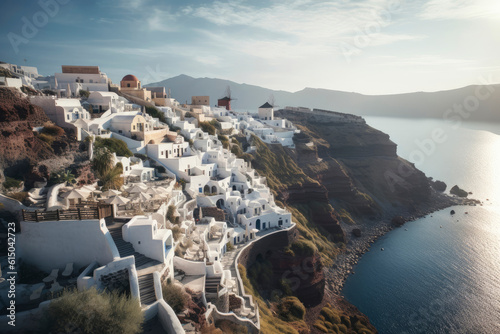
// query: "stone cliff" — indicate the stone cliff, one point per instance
point(357, 164)
point(20, 147)
point(23, 154)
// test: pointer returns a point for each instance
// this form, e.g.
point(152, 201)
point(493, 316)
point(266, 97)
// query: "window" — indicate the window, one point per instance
point(133, 127)
point(161, 153)
point(128, 85)
point(68, 116)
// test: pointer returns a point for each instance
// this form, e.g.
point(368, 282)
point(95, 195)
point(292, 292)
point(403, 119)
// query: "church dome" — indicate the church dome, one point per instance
point(130, 77)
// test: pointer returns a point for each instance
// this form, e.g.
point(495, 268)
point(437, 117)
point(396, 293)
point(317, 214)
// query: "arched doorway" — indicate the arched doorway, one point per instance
point(257, 224)
point(220, 203)
point(214, 190)
point(234, 187)
point(206, 189)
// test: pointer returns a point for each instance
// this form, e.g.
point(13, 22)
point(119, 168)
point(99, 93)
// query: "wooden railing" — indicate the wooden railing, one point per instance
point(98, 212)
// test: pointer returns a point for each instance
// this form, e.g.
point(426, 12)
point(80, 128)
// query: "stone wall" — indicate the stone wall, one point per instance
point(215, 212)
point(273, 242)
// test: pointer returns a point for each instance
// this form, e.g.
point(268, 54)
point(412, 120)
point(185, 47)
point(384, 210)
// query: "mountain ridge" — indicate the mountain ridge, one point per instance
point(480, 102)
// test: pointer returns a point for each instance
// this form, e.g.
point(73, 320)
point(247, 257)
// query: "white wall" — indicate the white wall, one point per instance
point(190, 267)
point(53, 244)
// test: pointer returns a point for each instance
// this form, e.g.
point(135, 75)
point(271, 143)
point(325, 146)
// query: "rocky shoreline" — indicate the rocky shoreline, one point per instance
point(337, 274)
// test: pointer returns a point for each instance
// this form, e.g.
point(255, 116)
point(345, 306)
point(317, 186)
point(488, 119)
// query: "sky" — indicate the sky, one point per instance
point(365, 46)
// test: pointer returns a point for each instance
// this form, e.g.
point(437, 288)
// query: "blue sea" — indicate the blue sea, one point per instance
point(441, 273)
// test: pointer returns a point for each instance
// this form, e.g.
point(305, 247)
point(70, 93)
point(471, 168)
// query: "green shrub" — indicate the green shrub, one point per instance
point(89, 311)
point(284, 286)
point(207, 127)
point(175, 296)
point(224, 140)
point(319, 325)
point(291, 309)
point(303, 247)
point(46, 138)
point(11, 183)
point(52, 130)
point(330, 315)
point(229, 246)
point(84, 93)
point(236, 150)
point(153, 112)
point(114, 145)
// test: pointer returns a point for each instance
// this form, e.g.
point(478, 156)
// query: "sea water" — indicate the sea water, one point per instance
point(441, 273)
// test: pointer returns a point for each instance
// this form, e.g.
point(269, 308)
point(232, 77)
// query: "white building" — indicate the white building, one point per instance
point(102, 101)
point(266, 111)
point(81, 77)
point(65, 113)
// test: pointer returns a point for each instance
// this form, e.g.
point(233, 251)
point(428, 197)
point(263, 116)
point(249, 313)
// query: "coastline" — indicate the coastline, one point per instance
point(337, 274)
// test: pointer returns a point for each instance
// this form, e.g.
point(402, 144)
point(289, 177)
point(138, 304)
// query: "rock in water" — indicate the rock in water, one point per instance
point(452, 212)
point(458, 192)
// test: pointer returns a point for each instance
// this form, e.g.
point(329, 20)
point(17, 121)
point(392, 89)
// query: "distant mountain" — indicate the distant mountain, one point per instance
point(474, 103)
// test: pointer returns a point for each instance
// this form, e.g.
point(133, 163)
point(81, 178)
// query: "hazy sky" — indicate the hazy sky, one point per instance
point(371, 46)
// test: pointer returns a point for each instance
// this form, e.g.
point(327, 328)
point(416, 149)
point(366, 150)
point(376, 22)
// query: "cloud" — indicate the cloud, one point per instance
point(460, 10)
point(296, 29)
point(160, 20)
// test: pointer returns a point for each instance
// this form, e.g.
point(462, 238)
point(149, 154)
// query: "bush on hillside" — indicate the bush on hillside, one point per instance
point(11, 183)
point(89, 311)
point(52, 130)
point(291, 309)
point(303, 247)
point(175, 296)
point(153, 112)
point(114, 145)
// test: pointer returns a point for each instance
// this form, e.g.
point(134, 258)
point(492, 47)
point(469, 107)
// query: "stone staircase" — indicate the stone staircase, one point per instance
point(146, 281)
point(212, 284)
point(147, 289)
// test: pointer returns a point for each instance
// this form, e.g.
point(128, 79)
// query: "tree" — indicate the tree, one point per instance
point(89, 311)
point(102, 162)
point(113, 178)
point(84, 93)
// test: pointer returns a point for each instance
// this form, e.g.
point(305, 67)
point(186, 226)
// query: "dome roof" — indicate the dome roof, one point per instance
point(130, 77)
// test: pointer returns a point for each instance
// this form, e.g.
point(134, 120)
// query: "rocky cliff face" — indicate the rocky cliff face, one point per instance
point(23, 154)
point(356, 163)
point(20, 147)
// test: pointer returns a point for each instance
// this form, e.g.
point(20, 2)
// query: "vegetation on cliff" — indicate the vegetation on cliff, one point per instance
point(89, 311)
point(335, 321)
point(114, 145)
point(269, 323)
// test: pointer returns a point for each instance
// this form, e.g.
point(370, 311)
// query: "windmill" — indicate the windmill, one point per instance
point(226, 100)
